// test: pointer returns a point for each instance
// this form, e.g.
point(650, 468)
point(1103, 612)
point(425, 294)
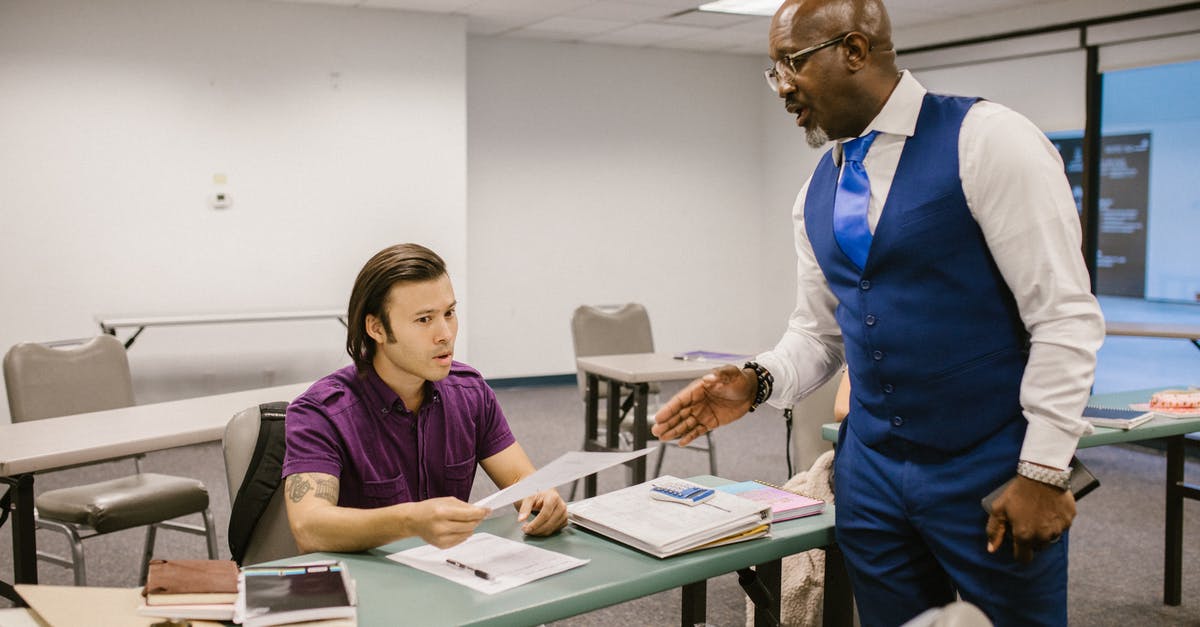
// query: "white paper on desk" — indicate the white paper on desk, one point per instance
point(510, 563)
point(567, 468)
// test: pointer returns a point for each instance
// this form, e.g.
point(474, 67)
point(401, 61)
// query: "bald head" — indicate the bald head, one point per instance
point(831, 17)
point(835, 64)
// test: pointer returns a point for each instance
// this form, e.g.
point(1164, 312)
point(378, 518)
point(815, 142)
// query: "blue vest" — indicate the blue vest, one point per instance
point(934, 343)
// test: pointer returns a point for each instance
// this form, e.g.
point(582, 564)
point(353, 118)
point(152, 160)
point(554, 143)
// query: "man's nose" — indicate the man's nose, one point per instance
point(444, 332)
point(786, 86)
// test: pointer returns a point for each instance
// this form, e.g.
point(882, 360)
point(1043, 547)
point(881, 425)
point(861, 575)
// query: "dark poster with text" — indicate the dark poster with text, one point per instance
point(1124, 202)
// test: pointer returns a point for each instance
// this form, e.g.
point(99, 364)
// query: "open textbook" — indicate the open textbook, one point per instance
point(664, 527)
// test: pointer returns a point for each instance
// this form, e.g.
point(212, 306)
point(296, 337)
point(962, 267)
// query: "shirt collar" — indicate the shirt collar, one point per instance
point(387, 400)
point(898, 115)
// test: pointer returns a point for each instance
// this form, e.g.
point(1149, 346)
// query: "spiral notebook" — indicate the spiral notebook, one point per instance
point(785, 504)
point(1115, 417)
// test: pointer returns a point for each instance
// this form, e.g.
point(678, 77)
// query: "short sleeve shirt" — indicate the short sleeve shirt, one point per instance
point(357, 429)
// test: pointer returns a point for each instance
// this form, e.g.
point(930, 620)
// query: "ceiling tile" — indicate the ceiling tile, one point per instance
point(621, 11)
point(758, 25)
point(694, 44)
point(543, 8)
point(707, 19)
point(340, 3)
point(574, 26)
point(724, 38)
point(434, 6)
point(482, 25)
point(646, 34)
point(672, 5)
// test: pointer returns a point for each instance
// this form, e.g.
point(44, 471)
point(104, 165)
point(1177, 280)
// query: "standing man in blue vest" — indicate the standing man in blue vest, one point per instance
point(939, 253)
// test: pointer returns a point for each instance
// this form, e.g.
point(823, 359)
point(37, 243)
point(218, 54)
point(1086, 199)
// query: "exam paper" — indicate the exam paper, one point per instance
point(569, 467)
point(508, 563)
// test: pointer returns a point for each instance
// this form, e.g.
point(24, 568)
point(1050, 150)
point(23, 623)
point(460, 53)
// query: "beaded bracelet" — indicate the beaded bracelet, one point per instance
point(766, 383)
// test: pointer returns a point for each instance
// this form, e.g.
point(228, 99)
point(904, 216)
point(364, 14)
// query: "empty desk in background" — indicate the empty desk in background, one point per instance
point(1170, 430)
point(637, 370)
point(1179, 330)
point(28, 448)
point(110, 324)
point(390, 593)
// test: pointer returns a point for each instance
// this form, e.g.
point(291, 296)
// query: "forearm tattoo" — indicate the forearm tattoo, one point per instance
point(299, 485)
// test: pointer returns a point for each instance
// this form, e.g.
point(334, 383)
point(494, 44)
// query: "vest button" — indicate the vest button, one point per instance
point(888, 388)
point(870, 320)
point(897, 421)
point(864, 284)
point(877, 355)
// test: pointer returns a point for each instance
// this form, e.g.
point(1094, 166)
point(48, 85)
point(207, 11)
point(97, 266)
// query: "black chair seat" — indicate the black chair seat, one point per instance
point(118, 504)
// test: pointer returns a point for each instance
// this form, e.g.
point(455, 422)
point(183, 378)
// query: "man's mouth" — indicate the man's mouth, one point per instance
point(445, 358)
point(798, 110)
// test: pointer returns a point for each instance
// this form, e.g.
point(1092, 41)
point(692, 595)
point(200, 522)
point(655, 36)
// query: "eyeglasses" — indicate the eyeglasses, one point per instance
point(795, 60)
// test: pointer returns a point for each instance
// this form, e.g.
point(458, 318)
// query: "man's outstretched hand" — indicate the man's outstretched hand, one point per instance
point(718, 398)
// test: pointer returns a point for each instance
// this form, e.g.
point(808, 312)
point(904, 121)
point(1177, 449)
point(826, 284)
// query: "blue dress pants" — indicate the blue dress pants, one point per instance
point(913, 533)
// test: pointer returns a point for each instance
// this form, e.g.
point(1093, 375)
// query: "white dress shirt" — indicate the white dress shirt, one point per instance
point(1013, 181)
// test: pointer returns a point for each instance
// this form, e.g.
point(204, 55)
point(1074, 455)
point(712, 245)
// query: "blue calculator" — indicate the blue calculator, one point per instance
point(680, 492)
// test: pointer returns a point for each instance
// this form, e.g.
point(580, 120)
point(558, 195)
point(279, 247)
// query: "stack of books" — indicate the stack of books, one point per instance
point(661, 525)
point(190, 589)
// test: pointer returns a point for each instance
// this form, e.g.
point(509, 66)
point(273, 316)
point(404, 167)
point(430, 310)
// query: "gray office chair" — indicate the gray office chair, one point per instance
point(613, 330)
point(45, 382)
point(271, 537)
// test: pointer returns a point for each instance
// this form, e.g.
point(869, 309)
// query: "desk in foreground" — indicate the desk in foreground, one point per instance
point(1170, 430)
point(390, 593)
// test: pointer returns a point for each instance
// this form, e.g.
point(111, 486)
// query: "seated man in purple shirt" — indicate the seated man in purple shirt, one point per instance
point(386, 448)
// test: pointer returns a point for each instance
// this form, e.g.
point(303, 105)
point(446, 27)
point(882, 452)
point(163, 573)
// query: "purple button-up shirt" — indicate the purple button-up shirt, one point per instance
point(357, 429)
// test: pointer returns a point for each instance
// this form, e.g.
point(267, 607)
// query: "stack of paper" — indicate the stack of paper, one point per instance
point(488, 563)
point(663, 528)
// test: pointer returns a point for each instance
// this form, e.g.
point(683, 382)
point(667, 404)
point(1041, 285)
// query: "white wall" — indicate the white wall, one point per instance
point(593, 174)
point(1048, 89)
point(606, 175)
point(787, 164)
point(340, 131)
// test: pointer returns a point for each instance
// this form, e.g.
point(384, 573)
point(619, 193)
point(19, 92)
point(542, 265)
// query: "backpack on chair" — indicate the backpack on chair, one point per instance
point(258, 501)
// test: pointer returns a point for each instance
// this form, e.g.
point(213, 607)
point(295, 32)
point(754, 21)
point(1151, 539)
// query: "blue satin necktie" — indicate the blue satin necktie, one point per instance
point(850, 204)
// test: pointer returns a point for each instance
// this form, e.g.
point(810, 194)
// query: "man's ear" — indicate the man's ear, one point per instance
point(375, 329)
point(857, 48)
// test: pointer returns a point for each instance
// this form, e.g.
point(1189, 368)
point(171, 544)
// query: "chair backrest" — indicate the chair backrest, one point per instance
point(272, 536)
point(610, 330)
point(45, 382)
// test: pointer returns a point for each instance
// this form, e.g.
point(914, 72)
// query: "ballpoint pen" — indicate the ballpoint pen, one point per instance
point(482, 574)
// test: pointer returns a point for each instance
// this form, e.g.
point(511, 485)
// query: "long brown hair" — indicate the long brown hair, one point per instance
point(402, 263)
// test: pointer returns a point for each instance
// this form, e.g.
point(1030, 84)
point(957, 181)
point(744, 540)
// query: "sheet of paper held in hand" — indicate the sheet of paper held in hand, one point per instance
point(565, 469)
point(488, 563)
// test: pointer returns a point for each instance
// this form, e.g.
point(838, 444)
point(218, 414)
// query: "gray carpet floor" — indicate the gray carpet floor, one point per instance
point(1116, 543)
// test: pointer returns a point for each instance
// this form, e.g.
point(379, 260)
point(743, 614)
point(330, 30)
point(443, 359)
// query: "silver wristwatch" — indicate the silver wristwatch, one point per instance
point(1060, 479)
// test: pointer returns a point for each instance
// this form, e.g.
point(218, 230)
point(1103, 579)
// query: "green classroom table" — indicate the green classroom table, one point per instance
point(1173, 432)
point(390, 593)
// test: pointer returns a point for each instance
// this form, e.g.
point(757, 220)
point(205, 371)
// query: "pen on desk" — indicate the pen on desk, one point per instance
point(482, 574)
